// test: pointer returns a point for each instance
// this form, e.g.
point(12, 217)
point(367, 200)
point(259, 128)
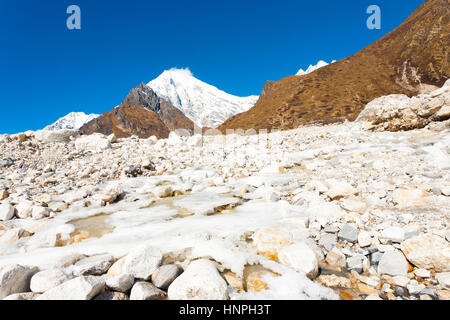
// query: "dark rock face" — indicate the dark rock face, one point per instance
point(410, 60)
point(143, 113)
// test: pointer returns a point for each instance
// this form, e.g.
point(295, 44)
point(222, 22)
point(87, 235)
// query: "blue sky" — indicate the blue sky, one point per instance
point(48, 71)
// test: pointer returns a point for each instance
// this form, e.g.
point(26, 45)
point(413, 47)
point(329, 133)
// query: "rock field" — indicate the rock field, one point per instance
point(319, 212)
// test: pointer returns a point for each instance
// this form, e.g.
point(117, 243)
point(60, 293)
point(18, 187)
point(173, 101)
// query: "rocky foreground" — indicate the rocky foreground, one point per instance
point(319, 212)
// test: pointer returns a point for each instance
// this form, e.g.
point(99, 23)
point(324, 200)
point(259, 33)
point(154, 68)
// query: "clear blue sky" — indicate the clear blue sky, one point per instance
point(48, 71)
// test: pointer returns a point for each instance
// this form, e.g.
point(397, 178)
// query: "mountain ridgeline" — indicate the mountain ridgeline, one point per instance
point(143, 113)
point(410, 60)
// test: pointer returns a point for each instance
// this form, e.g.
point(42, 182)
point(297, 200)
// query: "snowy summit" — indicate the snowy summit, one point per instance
point(312, 68)
point(204, 104)
point(72, 121)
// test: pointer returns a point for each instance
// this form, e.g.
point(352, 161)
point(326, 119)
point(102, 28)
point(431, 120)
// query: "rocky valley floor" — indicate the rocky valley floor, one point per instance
point(319, 212)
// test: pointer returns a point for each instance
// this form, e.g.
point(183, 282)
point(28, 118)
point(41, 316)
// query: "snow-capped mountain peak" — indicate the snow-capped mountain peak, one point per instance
point(312, 68)
point(72, 121)
point(204, 104)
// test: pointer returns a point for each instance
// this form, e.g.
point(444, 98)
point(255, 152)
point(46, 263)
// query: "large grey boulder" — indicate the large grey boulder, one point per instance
point(15, 279)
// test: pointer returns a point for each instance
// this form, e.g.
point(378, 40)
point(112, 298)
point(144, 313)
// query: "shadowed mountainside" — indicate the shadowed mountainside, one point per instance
point(143, 113)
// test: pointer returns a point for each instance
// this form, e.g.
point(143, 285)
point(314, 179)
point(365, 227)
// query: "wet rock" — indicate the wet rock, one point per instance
point(146, 291)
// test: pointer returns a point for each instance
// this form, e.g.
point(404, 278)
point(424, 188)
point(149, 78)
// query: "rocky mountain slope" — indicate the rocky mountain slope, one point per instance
point(142, 113)
point(72, 121)
point(204, 104)
point(410, 60)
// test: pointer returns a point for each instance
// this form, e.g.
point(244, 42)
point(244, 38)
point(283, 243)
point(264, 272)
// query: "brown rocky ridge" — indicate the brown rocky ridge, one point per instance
point(143, 113)
point(410, 60)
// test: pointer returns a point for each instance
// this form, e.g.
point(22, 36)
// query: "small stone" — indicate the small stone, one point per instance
point(40, 212)
point(348, 233)
point(200, 281)
point(422, 273)
point(301, 258)
point(429, 292)
point(94, 265)
point(364, 239)
point(444, 279)
point(375, 257)
point(334, 281)
point(143, 262)
point(336, 258)
point(22, 296)
point(47, 279)
point(446, 191)
point(358, 263)
point(400, 281)
point(328, 241)
point(339, 189)
point(414, 288)
point(393, 263)
point(112, 296)
point(165, 275)
point(443, 294)
point(7, 212)
point(121, 283)
point(24, 209)
point(394, 234)
point(401, 292)
point(81, 288)
point(146, 291)
point(411, 231)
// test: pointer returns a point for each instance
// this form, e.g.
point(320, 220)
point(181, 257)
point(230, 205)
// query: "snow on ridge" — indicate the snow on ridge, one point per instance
point(313, 68)
point(204, 104)
point(72, 121)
